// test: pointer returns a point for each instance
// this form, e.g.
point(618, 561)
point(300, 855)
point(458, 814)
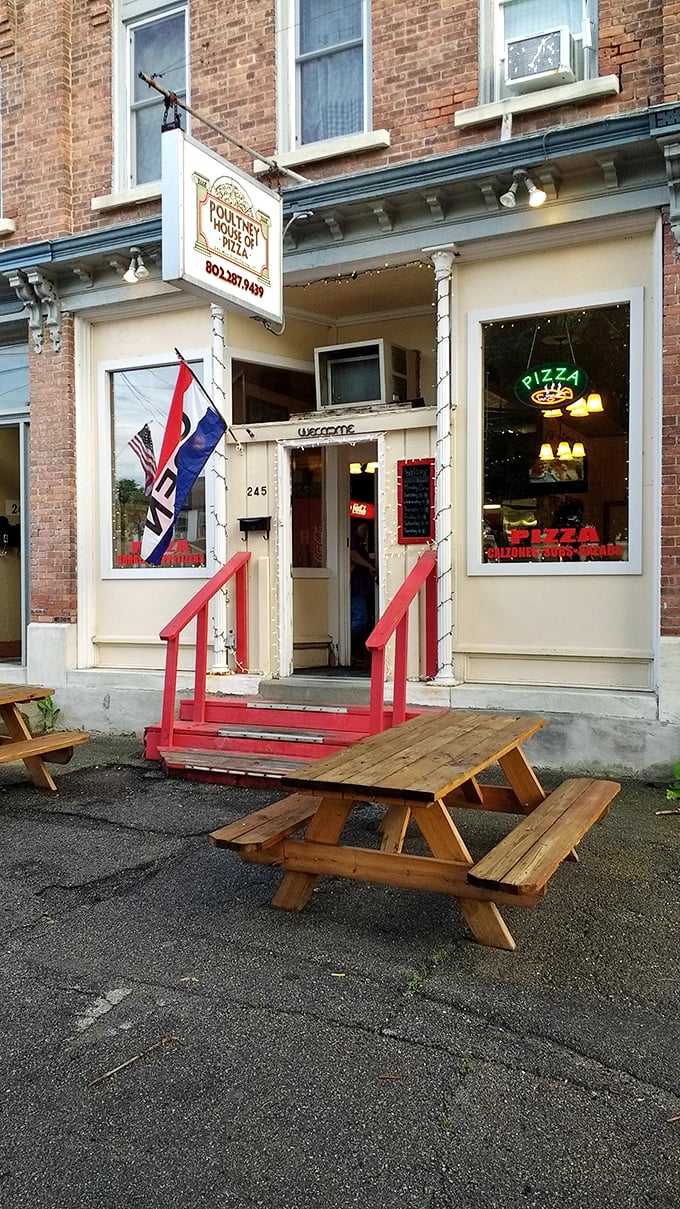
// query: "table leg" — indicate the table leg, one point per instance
point(17, 729)
point(326, 828)
point(522, 778)
point(445, 841)
point(393, 828)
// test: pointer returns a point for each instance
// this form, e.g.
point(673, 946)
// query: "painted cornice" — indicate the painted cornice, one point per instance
point(649, 131)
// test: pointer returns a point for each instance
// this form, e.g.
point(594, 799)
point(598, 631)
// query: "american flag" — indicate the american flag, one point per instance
point(142, 445)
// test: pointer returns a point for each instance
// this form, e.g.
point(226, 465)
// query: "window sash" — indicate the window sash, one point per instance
point(149, 49)
point(331, 87)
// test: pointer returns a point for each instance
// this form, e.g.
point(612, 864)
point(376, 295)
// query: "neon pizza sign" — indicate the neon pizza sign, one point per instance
point(554, 385)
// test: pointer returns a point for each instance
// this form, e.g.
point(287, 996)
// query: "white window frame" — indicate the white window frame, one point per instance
point(475, 435)
point(105, 463)
point(492, 52)
point(134, 13)
point(288, 98)
point(7, 225)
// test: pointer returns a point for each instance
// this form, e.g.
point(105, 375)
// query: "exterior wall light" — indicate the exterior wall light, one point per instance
point(137, 270)
point(520, 176)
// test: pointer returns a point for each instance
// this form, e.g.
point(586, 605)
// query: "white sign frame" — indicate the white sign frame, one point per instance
point(221, 230)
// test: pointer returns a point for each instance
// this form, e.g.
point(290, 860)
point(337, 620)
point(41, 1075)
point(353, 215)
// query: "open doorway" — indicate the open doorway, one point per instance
point(334, 527)
point(11, 594)
point(363, 559)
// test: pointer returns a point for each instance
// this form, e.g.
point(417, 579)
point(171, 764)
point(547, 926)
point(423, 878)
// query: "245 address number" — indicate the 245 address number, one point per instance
point(237, 279)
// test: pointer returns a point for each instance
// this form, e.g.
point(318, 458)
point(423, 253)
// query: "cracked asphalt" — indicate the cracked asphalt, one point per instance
point(168, 1039)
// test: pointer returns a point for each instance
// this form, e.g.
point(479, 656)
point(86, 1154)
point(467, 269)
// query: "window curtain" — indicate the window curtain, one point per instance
point(331, 69)
point(521, 18)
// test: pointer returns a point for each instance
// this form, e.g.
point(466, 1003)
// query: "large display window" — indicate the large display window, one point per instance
point(139, 402)
point(554, 439)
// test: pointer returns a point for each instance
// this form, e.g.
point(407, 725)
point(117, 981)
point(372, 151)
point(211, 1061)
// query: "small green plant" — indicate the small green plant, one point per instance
point(49, 713)
point(673, 790)
point(416, 982)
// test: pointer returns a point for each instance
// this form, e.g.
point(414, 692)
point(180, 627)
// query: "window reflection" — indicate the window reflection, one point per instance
point(556, 437)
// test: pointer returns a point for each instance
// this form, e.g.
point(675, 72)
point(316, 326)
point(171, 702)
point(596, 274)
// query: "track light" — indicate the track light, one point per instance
point(137, 270)
point(509, 198)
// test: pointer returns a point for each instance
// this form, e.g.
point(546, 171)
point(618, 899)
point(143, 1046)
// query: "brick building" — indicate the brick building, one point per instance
point(439, 326)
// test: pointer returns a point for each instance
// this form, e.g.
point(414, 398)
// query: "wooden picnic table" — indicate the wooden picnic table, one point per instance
point(34, 750)
point(420, 770)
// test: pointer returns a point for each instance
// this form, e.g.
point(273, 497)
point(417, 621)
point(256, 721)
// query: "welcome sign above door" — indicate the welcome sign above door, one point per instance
point(222, 230)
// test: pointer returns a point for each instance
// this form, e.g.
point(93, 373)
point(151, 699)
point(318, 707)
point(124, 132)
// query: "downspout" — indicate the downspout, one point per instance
point(443, 259)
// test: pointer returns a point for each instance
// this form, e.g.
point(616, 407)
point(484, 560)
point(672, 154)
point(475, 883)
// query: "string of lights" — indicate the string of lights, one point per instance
point(357, 275)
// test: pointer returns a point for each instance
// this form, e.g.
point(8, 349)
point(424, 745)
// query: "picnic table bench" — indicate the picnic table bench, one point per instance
point(422, 769)
point(34, 750)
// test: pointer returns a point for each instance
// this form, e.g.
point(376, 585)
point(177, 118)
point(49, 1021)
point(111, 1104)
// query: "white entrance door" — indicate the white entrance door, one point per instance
point(331, 489)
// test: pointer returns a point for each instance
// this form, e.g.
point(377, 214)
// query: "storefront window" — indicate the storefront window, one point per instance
point(556, 438)
point(140, 402)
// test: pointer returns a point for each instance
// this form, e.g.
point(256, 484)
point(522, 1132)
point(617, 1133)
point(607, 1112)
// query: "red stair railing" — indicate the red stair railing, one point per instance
point(197, 608)
point(395, 621)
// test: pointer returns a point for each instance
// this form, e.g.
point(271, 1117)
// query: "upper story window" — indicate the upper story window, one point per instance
point(155, 42)
point(323, 56)
point(535, 45)
point(330, 69)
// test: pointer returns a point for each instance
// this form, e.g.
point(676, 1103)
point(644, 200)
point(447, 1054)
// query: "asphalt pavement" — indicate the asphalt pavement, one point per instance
point(167, 1038)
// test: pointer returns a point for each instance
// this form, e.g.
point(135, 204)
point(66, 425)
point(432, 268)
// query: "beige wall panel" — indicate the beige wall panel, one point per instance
point(150, 335)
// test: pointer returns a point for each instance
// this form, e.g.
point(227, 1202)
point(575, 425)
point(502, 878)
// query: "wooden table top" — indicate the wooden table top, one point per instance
point(18, 694)
point(419, 760)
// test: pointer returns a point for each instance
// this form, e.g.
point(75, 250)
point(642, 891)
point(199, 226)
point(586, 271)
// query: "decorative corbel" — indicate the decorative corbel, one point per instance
point(434, 203)
point(334, 224)
point(490, 189)
point(26, 294)
point(383, 213)
point(39, 296)
point(46, 292)
point(671, 151)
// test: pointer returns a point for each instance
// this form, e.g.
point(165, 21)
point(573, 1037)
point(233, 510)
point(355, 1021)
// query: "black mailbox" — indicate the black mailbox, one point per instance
point(255, 524)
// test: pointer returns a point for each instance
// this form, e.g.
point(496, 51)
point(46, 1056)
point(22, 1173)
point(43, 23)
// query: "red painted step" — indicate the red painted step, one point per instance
point(250, 741)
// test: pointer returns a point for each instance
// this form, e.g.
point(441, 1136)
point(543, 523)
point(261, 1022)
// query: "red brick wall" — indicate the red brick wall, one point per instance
point(52, 481)
point(670, 441)
point(424, 69)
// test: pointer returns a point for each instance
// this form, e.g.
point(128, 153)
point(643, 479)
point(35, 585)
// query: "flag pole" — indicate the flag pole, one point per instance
point(201, 387)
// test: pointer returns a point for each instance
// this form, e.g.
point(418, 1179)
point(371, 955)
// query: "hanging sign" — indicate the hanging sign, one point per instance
point(222, 230)
point(554, 385)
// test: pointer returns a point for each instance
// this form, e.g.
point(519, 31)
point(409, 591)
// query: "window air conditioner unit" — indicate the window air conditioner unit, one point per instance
point(540, 61)
point(369, 372)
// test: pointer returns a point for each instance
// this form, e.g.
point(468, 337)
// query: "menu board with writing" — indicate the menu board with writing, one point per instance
point(415, 501)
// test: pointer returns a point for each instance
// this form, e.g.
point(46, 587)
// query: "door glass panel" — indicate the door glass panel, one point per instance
point(308, 503)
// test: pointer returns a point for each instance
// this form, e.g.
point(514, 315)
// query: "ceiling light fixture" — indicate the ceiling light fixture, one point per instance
point(536, 196)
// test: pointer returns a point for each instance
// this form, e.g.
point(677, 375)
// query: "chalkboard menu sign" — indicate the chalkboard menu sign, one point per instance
point(415, 501)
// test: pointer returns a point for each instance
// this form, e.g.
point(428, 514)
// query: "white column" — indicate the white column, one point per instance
point(443, 260)
point(219, 463)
